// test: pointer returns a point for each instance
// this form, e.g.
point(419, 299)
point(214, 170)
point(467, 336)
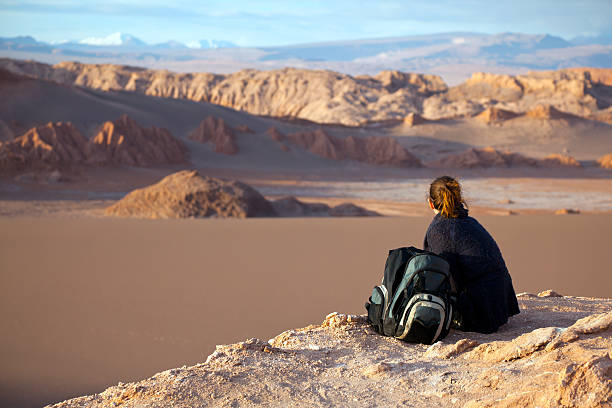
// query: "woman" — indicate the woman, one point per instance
point(485, 296)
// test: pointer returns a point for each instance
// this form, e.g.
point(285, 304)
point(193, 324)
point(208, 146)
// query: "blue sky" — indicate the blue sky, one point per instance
point(272, 22)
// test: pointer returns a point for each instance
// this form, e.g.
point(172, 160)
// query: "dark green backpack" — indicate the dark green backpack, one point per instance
point(413, 303)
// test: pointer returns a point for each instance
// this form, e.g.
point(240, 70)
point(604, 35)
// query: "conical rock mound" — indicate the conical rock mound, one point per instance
point(215, 131)
point(188, 194)
point(125, 142)
point(492, 116)
point(56, 144)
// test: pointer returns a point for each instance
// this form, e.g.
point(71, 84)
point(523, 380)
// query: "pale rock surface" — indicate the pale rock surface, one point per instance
point(188, 194)
point(549, 293)
point(53, 145)
point(125, 142)
point(216, 131)
point(343, 362)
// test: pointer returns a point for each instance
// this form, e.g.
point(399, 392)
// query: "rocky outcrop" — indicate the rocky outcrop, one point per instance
point(548, 112)
point(331, 97)
point(605, 161)
point(572, 92)
point(215, 131)
point(125, 142)
point(122, 142)
point(315, 95)
point(556, 352)
point(292, 207)
point(414, 119)
point(559, 160)
point(482, 157)
point(188, 194)
point(491, 157)
point(53, 145)
point(597, 75)
point(495, 116)
point(372, 149)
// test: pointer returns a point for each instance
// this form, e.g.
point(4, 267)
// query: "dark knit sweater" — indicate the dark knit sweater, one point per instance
point(486, 297)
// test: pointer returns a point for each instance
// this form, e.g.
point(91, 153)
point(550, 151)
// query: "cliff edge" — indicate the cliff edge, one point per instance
point(556, 352)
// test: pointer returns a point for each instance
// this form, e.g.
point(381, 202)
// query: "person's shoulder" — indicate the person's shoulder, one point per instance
point(439, 223)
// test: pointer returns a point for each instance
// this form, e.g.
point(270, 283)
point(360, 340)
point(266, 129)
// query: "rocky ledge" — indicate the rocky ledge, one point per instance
point(556, 352)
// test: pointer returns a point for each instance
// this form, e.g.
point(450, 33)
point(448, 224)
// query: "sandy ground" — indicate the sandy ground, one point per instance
point(89, 302)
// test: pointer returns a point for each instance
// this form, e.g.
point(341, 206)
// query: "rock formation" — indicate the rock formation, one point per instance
point(605, 161)
point(319, 96)
point(573, 92)
point(52, 145)
point(188, 194)
point(559, 160)
point(485, 157)
point(490, 157)
point(125, 142)
point(414, 119)
point(292, 207)
point(556, 352)
point(494, 116)
point(372, 149)
point(331, 97)
point(548, 112)
point(215, 131)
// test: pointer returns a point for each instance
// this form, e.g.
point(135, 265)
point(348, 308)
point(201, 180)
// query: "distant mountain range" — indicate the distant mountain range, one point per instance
point(452, 55)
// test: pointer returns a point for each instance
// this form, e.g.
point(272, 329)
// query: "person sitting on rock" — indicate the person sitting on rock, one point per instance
point(485, 295)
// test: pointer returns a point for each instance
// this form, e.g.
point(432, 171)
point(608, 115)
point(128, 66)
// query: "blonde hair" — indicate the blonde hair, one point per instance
point(445, 194)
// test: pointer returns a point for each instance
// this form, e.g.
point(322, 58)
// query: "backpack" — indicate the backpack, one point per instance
point(414, 301)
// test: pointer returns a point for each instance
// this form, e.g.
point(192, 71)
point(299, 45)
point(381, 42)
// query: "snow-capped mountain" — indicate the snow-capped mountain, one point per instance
point(203, 44)
point(113, 39)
